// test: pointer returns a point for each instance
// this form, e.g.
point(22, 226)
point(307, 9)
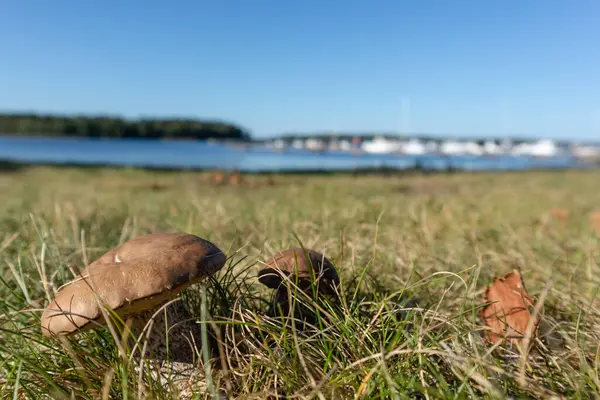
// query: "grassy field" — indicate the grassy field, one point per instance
point(438, 239)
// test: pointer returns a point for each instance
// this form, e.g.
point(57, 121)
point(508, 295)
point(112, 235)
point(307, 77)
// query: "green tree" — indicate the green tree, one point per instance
point(24, 124)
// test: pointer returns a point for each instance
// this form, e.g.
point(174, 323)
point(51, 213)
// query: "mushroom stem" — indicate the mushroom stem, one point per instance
point(167, 332)
point(281, 306)
point(171, 343)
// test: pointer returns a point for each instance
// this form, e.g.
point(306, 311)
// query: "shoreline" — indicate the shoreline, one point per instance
point(7, 165)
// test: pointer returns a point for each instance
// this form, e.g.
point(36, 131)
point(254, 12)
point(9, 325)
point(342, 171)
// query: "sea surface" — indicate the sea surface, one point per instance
point(214, 155)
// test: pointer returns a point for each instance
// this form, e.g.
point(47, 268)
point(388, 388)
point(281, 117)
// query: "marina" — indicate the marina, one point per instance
point(272, 157)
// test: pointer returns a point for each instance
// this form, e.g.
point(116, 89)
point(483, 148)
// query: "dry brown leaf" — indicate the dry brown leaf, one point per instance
point(235, 178)
point(595, 220)
point(218, 178)
point(508, 316)
point(560, 214)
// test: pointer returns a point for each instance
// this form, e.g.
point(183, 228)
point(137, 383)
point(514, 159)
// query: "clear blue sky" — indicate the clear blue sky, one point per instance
point(480, 67)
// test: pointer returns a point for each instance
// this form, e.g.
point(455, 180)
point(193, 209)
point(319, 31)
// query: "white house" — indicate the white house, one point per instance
point(585, 151)
point(414, 146)
point(314, 144)
point(492, 148)
point(278, 144)
point(541, 148)
point(544, 148)
point(452, 147)
point(472, 148)
point(381, 145)
point(345, 145)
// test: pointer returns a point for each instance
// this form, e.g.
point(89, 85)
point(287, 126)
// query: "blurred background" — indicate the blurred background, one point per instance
point(276, 86)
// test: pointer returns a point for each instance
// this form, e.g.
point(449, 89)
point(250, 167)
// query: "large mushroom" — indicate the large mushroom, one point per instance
point(305, 268)
point(134, 281)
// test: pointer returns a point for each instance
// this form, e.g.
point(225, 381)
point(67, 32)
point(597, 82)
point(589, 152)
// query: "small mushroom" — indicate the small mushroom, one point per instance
point(305, 268)
point(135, 280)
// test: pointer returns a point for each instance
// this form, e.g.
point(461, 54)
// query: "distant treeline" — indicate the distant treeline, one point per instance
point(115, 127)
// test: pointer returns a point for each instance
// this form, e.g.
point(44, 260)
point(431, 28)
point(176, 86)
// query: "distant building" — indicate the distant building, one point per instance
point(472, 148)
point(490, 147)
point(585, 151)
point(381, 145)
point(414, 147)
point(544, 148)
point(314, 144)
point(541, 148)
point(298, 144)
point(278, 144)
point(345, 145)
point(452, 147)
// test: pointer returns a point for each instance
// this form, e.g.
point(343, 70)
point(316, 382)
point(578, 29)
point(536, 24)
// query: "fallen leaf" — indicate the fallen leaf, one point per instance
point(218, 178)
point(560, 214)
point(595, 220)
point(508, 314)
point(235, 178)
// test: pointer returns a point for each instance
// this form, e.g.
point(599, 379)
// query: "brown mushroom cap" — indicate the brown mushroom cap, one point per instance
point(294, 262)
point(135, 277)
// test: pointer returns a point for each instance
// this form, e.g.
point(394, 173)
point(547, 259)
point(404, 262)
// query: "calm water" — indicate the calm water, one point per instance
point(190, 154)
